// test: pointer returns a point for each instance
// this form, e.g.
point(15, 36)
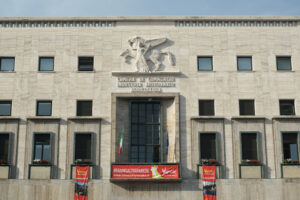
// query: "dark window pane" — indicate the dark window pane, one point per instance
point(83, 146)
point(85, 63)
point(134, 134)
point(142, 153)
point(134, 113)
point(284, 63)
point(134, 153)
point(84, 108)
point(142, 113)
point(149, 153)
point(290, 146)
point(145, 132)
point(46, 64)
point(205, 63)
point(7, 64)
point(149, 113)
point(142, 134)
point(5, 108)
point(42, 147)
point(287, 107)
point(244, 63)
point(4, 148)
point(149, 134)
point(44, 108)
point(247, 107)
point(249, 146)
point(156, 134)
point(206, 107)
point(208, 146)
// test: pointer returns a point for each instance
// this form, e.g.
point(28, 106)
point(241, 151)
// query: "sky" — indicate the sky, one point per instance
point(11, 8)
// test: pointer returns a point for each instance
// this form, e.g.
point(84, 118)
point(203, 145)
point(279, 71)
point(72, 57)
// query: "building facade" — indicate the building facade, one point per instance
point(180, 91)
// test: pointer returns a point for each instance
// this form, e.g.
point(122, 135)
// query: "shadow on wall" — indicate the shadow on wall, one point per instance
point(186, 185)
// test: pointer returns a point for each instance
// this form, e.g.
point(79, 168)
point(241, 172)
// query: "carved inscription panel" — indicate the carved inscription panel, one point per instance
point(146, 83)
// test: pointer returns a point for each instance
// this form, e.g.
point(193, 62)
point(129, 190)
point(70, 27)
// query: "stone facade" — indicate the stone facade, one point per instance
point(165, 70)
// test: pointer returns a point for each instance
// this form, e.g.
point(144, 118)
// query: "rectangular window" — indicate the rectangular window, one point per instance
point(244, 63)
point(205, 63)
point(206, 107)
point(247, 107)
point(42, 148)
point(84, 108)
point(145, 132)
point(287, 107)
point(85, 63)
point(5, 108)
point(208, 146)
point(44, 108)
point(4, 148)
point(249, 147)
point(83, 148)
point(283, 63)
point(46, 64)
point(290, 146)
point(7, 64)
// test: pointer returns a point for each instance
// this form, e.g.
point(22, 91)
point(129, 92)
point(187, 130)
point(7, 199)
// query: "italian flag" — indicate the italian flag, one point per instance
point(121, 143)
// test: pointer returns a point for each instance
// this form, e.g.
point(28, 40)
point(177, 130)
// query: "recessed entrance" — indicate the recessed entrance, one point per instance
point(147, 125)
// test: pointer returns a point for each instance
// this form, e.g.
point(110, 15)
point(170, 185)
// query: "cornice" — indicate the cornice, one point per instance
point(177, 21)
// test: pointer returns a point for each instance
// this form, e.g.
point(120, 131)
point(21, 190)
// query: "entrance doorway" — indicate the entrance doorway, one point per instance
point(145, 131)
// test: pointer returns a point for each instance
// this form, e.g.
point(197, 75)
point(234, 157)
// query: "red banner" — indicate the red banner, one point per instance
point(209, 182)
point(81, 182)
point(145, 171)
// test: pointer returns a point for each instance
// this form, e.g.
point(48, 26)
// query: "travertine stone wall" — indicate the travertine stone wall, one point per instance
point(227, 189)
point(224, 84)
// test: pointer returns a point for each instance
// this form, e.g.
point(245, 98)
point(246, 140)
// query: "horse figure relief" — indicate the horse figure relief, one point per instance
point(141, 52)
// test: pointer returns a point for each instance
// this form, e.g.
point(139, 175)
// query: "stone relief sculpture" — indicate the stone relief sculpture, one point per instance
point(143, 51)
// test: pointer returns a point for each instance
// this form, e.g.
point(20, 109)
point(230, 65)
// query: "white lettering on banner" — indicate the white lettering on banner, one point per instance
point(131, 170)
point(146, 83)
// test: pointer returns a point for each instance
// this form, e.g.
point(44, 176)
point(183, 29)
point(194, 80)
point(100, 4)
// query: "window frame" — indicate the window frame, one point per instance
point(298, 143)
point(258, 145)
point(214, 112)
point(92, 160)
point(84, 100)
point(237, 63)
point(253, 100)
point(7, 57)
point(294, 110)
point(1, 101)
point(50, 149)
point(9, 158)
point(45, 57)
point(286, 56)
point(217, 143)
point(78, 64)
point(161, 134)
point(206, 70)
point(43, 101)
